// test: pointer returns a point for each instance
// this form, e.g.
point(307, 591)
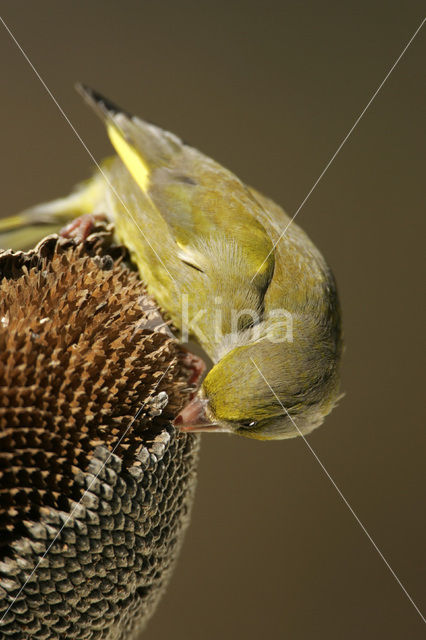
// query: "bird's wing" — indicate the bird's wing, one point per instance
point(210, 212)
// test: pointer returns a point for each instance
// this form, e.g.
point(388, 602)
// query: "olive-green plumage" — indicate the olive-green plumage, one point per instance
point(264, 307)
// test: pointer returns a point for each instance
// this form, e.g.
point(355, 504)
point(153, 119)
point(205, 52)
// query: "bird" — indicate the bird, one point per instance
point(227, 266)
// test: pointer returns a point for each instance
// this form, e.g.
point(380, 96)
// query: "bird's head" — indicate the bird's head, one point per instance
point(268, 390)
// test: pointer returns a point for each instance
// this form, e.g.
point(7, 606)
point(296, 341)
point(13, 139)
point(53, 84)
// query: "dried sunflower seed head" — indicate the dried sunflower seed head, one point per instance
point(87, 393)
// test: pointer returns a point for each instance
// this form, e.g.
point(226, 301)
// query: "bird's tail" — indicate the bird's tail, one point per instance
point(24, 230)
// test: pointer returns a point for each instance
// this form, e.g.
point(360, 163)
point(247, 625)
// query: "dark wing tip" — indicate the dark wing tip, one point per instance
point(101, 105)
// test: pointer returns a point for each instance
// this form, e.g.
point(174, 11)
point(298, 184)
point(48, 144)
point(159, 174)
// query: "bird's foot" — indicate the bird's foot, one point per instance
point(196, 366)
point(81, 228)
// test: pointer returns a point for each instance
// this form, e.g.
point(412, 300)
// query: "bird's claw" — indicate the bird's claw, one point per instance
point(81, 228)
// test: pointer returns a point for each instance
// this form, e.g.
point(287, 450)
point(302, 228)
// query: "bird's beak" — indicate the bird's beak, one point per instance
point(194, 418)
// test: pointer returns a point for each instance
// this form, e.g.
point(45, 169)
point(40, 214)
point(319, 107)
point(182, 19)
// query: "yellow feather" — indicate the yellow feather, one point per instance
point(131, 158)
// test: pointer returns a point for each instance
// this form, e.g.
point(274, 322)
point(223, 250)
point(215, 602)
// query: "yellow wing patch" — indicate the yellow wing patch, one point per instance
point(131, 158)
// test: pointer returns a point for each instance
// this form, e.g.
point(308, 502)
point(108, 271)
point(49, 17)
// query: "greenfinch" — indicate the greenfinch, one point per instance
point(227, 266)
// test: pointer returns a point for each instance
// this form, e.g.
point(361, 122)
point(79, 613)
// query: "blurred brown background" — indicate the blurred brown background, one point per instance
point(270, 89)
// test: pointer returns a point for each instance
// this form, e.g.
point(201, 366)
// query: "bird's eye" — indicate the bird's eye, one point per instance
point(248, 424)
